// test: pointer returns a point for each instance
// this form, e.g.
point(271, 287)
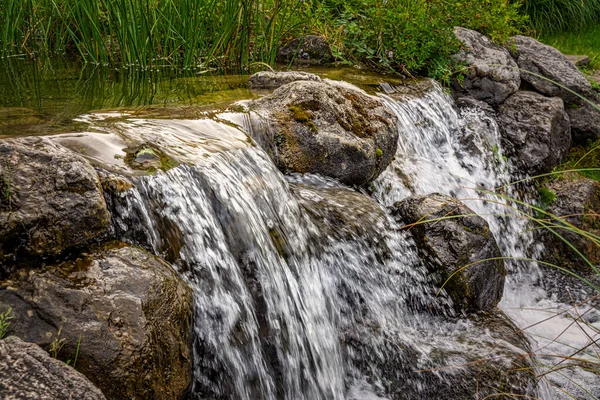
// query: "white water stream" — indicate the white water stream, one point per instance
point(289, 307)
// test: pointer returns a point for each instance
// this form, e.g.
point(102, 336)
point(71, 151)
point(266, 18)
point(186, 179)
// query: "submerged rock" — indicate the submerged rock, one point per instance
point(577, 203)
point(330, 129)
point(493, 74)
point(28, 372)
point(50, 201)
point(459, 239)
point(273, 80)
point(487, 357)
point(344, 214)
point(307, 50)
point(535, 131)
point(550, 67)
point(125, 313)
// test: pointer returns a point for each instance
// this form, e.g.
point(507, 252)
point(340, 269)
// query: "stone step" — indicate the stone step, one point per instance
point(578, 60)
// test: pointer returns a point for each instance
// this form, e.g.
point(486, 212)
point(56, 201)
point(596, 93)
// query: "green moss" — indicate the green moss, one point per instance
point(546, 197)
point(301, 115)
point(378, 153)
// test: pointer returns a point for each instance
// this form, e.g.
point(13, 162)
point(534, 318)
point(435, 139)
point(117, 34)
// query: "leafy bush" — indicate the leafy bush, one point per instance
point(410, 35)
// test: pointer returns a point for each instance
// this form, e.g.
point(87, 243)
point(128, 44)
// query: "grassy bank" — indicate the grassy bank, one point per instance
point(585, 42)
point(398, 35)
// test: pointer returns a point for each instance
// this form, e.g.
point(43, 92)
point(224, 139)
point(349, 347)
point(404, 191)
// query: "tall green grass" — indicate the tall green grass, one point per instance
point(147, 34)
point(551, 16)
point(396, 35)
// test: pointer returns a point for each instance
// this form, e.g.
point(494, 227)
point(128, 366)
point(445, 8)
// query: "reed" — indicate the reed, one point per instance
point(550, 16)
point(147, 34)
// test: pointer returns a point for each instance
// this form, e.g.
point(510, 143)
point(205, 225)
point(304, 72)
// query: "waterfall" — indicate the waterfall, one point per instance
point(459, 153)
point(291, 305)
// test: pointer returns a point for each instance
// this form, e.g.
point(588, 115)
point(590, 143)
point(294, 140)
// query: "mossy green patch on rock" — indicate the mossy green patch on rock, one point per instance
point(149, 158)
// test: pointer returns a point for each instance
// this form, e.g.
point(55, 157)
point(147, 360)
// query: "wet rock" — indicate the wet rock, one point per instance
point(486, 358)
point(130, 309)
point(585, 123)
point(28, 372)
point(493, 75)
point(551, 64)
point(50, 200)
point(273, 80)
point(461, 239)
point(344, 214)
point(578, 204)
point(330, 129)
point(535, 131)
point(307, 50)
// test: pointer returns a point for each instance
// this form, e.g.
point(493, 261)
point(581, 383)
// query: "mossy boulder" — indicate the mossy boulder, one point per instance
point(328, 128)
point(125, 315)
point(455, 242)
point(28, 372)
point(50, 201)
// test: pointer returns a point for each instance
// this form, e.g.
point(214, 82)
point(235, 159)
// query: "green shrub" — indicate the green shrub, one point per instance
point(410, 35)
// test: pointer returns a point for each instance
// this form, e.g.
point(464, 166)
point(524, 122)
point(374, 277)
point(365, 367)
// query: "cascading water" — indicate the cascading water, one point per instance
point(292, 304)
point(460, 154)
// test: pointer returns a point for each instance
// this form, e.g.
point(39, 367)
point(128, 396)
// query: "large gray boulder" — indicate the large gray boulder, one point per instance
point(551, 73)
point(585, 122)
point(553, 67)
point(535, 131)
point(577, 203)
point(460, 238)
point(330, 129)
point(273, 80)
point(50, 200)
point(28, 372)
point(130, 309)
point(493, 74)
point(306, 50)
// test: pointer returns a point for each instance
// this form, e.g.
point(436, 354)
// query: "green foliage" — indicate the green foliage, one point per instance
point(5, 322)
point(410, 35)
point(550, 16)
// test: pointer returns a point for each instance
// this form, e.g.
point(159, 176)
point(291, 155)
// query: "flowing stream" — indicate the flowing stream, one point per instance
point(292, 304)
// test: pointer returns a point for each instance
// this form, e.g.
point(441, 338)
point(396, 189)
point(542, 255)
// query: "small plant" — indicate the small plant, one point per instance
point(76, 353)
point(57, 344)
point(5, 322)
